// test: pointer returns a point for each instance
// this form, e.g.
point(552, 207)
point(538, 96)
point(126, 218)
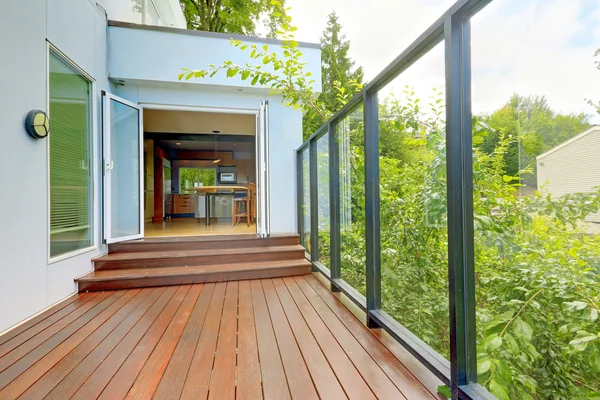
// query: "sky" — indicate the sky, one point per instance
point(530, 47)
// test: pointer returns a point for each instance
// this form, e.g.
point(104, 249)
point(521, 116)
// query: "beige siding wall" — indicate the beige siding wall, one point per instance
point(572, 168)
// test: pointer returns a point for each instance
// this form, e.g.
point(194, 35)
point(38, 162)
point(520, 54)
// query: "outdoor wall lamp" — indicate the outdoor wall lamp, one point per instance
point(37, 124)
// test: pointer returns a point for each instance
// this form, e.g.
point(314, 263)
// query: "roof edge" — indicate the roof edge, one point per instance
point(215, 35)
point(569, 141)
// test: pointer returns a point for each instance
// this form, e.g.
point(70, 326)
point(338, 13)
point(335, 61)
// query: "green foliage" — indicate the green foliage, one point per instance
point(234, 16)
point(538, 128)
point(537, 269)
point(189, 176)
point(341, 79)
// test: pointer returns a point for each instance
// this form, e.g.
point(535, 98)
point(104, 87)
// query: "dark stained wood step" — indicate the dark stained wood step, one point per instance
point(177, 275)
point(152, 259)
point(203, 242)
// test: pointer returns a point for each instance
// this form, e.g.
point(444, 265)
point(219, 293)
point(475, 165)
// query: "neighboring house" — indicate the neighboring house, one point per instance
point(94, 179)
point(572, 167)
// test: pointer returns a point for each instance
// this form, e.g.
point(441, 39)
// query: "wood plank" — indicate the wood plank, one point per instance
point(202, 242)
point(373, 375)
point(298, 377)
point(16, 341)
point(55, 353)
point(150, 375)
point(148, 277)
point(403, 379)
point(32, 351)
point(423, 375)
point(125, 376)
point(197, 257)
point(351, 380)
point(248, 367)
point(60, 370)
point(30, 344)
point(222, 384)
point(18, 330)
point(73, 381)
point(323, 376)
point(108, 367)
point(198, 378)
point(274, 381)
point(173, 379)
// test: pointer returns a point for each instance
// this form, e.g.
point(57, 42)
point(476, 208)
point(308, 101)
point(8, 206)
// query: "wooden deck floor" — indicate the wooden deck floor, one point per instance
point(284, 338)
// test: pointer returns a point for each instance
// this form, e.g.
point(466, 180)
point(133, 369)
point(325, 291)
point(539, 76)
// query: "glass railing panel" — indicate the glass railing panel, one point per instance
point(323, 199)
point(413, 212)
point(536, 154)
point(350, 138)
point(305, 200)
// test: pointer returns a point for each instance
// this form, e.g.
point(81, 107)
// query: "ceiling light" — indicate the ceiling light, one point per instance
point(178, 143)
point(216, 161)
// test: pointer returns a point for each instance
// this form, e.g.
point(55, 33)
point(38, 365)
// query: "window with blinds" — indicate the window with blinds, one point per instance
point(70, 159)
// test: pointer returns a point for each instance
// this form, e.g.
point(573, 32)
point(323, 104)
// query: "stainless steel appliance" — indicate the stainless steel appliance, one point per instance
point(227, 177)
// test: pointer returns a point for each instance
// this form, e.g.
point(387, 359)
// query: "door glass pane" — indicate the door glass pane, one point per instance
point(70, 178)
point(125, 175)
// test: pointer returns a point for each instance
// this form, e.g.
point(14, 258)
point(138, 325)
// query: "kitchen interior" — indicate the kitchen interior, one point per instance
point(198, 164)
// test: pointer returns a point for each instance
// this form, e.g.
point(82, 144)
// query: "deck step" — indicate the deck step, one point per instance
point(153, 259)
point(202, 243)
point(177, 275)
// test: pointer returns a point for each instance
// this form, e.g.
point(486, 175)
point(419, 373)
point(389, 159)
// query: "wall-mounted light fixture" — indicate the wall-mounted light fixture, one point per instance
point(37, 124)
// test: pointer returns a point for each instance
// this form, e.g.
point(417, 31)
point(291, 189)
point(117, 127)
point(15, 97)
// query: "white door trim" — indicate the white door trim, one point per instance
point(107, 167)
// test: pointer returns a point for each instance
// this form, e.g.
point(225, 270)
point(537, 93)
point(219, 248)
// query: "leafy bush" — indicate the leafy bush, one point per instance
point(537, 269)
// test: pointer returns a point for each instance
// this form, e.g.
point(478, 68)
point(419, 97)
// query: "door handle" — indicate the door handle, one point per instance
point(110, 165)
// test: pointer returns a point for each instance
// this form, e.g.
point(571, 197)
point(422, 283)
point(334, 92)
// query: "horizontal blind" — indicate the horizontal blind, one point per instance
point(70, 190)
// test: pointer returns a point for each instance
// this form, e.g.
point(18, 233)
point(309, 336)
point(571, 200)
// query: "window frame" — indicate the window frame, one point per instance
point(93, 159)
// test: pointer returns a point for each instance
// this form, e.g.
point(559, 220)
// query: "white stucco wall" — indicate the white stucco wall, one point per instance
point(151, 12)
point(171, 51)
point(28, 282)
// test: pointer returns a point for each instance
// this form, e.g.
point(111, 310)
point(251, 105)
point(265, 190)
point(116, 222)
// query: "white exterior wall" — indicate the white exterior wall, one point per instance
point(150, 12)
point(28, 282)
point(171, 51)
point(572, 167)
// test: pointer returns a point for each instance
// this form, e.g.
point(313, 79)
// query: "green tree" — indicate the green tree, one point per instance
point(241, 17)
point(537, 128)
point(338, 73)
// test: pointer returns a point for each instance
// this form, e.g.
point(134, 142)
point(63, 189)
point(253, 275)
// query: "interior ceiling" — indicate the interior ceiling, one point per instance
point(195, 122)
point(241, 143)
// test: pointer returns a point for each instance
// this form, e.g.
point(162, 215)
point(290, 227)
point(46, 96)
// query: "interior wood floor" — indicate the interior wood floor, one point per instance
point(277, 338)
point(191, 227)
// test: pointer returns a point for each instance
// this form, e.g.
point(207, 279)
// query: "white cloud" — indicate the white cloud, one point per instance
point(534, 47)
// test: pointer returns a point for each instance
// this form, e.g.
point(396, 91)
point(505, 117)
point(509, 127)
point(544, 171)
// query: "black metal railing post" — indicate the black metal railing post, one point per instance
point(371, 136)
point(459, 156)
point(300, 194)
point(314, 205)
point(335, 260)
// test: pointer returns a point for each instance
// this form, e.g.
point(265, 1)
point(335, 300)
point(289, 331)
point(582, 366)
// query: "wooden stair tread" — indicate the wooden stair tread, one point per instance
point(195, 253)
point(208, 238)
point(141, 273)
